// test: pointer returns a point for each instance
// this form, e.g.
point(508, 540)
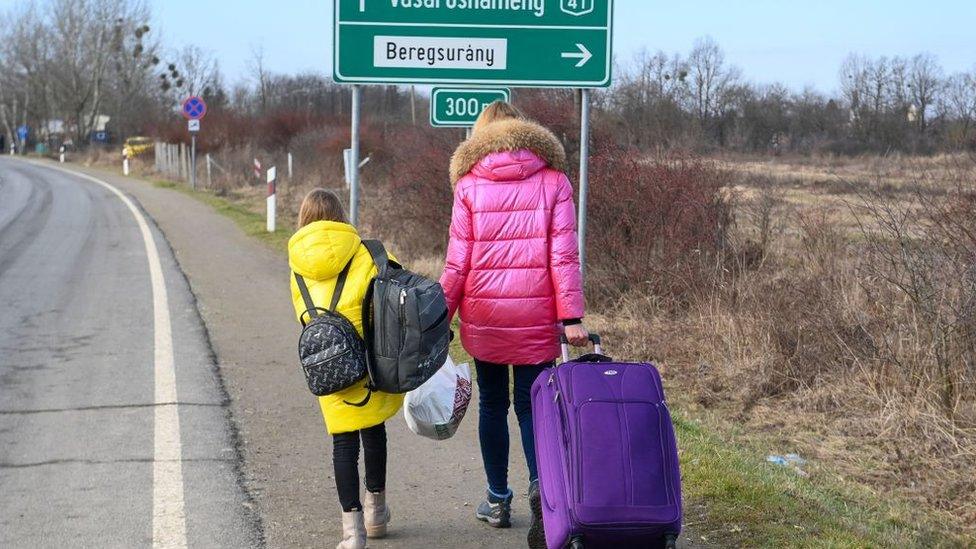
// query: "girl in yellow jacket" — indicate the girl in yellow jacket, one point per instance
point(321, 248)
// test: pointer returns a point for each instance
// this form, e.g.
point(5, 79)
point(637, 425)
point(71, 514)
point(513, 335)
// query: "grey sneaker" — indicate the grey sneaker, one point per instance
point(495, 511)
point(537, 535)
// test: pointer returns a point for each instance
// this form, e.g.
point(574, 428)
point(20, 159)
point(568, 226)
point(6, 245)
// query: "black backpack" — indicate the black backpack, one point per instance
point(406, 326)
point(332, 353)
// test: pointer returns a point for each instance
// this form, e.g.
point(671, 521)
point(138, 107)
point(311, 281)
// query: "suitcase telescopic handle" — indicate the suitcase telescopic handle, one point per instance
point(564, 345)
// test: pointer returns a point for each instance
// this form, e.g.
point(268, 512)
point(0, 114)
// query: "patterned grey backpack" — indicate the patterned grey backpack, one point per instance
point(332, 353)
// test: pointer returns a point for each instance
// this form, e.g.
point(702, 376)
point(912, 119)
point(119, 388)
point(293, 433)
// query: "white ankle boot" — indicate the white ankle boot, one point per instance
point(376, 514)
point(353, 531)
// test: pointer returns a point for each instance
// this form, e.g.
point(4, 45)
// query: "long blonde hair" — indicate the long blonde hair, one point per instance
point(321, 205)
point(498, 110)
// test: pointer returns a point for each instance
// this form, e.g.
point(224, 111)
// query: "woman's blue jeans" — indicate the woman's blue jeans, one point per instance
point(493, 404)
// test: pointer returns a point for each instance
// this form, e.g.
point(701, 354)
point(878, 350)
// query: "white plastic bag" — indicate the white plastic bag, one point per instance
point(435, 409)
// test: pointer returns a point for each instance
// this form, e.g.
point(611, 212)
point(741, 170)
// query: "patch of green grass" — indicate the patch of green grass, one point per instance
point(748, 502)
point(253, 224)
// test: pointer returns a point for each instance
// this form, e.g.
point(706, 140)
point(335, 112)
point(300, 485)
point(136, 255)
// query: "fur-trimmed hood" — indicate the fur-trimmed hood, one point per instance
point(507, 135)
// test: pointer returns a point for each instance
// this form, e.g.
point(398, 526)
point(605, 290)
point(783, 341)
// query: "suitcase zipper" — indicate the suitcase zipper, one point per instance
point(563, 417)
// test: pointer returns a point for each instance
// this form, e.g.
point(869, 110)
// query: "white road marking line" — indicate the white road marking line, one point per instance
point(169, 513)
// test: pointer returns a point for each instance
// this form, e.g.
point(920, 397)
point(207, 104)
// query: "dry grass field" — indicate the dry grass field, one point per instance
point(844, 328)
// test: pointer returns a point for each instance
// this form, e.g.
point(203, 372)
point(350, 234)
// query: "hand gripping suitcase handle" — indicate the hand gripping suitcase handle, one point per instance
point(564, 345)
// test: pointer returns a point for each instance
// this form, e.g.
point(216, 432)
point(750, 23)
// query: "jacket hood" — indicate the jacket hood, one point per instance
point(320, 250)
point(530, 147)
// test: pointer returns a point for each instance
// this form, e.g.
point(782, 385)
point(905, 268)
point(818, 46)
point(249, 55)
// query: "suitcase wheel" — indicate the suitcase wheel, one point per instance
point(576, 543)
point(670, 541)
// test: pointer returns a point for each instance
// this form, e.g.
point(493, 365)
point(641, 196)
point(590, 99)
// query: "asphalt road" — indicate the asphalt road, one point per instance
point(85, 456)
point(77, 396)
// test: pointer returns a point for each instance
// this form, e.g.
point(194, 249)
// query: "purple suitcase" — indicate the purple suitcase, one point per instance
point(607, 456)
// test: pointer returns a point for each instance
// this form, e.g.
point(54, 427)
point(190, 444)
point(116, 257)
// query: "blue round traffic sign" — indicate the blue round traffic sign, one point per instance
point(194, 108)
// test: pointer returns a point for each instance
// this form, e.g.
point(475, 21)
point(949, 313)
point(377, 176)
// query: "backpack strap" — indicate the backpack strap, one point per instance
point(310, 307)
point(306, 297)
point(378, 253)
point(382, 260)
point(340, 284)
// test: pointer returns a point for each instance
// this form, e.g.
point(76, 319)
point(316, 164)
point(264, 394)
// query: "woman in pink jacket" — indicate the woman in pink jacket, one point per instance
point(513, 272)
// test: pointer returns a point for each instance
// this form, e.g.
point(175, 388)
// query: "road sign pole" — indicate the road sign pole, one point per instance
point(354, 164)
point(584, 175)
point(193, 160)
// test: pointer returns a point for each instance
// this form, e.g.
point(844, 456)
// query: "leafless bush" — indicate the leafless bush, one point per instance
point(921, 262)
point(761, 214)
point(657, 227)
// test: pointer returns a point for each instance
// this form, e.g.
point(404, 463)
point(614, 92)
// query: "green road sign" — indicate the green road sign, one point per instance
point(460, 107)
point(561, 43)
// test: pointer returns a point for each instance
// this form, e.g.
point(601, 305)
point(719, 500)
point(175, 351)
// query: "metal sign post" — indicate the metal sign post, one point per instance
point(193, 160)
point(562, 43)
point(460, 107)
point(194, 127)
point(584, 174)
point(354, 159)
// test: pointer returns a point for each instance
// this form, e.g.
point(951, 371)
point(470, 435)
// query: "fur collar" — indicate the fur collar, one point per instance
point(507, 135)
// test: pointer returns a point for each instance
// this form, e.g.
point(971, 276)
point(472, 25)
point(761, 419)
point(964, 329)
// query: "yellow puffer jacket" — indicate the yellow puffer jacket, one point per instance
point(318, 252)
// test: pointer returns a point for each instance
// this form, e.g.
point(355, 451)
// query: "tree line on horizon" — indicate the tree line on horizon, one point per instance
point(65, 65)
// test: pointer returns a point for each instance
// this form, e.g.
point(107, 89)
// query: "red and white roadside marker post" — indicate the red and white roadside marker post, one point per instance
point(257, 169)
point(125, 165)
point(272, 184)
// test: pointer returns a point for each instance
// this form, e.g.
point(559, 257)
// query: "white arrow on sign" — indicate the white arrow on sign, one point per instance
point(583, 55)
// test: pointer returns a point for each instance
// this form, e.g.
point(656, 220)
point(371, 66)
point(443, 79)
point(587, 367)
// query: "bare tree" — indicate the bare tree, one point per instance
point(65, 62)
point(191, 71)
point(958, 102)
point(710, 76)
point(925, 81)
point(854, 83)
point(261, 76)
point(652, 91)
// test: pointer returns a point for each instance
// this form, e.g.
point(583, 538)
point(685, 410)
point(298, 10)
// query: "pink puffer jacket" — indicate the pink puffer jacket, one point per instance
point(513, 262)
